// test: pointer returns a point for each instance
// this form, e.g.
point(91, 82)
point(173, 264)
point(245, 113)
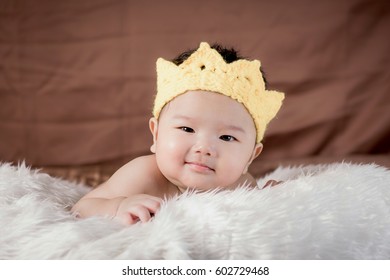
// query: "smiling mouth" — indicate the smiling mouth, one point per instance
point(199, 167)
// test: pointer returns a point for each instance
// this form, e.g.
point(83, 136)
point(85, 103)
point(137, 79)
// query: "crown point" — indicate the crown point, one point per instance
point(205, 69)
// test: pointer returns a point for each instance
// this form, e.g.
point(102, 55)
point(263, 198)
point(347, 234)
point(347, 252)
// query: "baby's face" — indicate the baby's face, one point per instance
point(204, 140)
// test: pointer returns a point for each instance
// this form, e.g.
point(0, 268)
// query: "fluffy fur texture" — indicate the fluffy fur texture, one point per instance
point(338, 211)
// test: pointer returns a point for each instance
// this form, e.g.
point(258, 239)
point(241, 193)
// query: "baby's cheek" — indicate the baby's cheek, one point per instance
point(236, 165)
point(172, 145)
point(230, 173)
point(172, 151)
point(172, 142)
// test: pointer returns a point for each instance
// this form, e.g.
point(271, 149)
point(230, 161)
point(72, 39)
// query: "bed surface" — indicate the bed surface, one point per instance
point(337, 211)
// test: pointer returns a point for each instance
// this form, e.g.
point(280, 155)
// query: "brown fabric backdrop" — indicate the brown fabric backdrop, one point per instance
point(77, 78)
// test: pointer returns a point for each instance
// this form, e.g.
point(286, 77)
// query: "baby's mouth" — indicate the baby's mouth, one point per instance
point(199, 167)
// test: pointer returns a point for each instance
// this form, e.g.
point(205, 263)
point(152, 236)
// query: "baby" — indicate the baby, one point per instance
point(209, 117)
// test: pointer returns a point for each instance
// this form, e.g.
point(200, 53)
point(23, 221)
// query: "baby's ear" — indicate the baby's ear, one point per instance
point(153, 125)
point(256, 152)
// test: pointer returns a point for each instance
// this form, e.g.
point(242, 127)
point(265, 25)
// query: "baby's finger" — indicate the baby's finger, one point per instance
point(139, 213)
point(152, 205)
point(127, 219)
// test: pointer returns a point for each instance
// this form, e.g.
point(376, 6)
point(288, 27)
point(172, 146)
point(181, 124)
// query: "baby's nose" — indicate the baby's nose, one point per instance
point(205, 148)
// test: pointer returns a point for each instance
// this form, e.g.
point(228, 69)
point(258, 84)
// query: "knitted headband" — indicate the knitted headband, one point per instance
point(206, 70)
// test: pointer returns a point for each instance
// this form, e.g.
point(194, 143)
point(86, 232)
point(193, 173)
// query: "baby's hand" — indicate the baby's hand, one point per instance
point(136, 208)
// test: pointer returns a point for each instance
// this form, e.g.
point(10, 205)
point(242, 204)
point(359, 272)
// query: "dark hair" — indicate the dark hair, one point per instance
point(229, 55)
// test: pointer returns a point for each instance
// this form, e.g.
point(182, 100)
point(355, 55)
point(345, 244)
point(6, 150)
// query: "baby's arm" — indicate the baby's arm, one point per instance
point(128, 195)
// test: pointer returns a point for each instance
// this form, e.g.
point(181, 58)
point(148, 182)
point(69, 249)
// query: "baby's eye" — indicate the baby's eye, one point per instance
point(227, 138)
point(187, 129)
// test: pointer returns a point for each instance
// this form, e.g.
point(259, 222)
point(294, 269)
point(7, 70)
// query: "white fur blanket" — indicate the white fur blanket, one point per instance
point(338, 211)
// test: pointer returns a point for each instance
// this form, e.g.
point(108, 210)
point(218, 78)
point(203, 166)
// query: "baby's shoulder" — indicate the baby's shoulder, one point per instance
point(144, 161)
point(143, 166)
point(145, 172)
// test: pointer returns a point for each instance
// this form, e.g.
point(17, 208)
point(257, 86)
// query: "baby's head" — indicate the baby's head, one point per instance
point(205, 69)
point(210, 114)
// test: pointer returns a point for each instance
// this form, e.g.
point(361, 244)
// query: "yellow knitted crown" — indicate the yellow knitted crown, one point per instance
point(206, 70)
